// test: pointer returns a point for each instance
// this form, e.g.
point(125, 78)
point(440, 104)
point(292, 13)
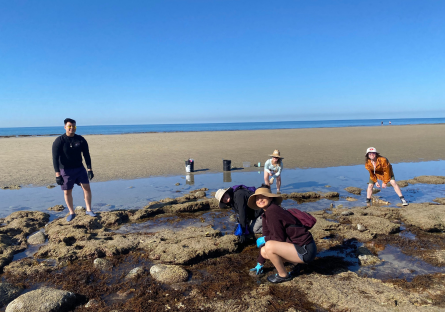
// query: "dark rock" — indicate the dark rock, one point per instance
point(57, 208)
point(204, 189)
point(354, 190)
point(200, 194)
point(145, 213)
point(8, 292)
point(375, 190)
point(347, 213)
point(11, 187)
point(331, 195)
point(428, 180)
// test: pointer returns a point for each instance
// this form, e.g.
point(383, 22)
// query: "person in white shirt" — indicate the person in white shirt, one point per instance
point(272, 170)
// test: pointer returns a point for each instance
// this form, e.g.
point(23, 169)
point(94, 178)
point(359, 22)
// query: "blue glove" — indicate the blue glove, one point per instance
point(260, 242)
point(258, 269)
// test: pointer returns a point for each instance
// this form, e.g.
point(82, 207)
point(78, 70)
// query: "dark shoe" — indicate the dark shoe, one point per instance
point(295, 271)
point(70, 217)
point(278, 279)
point(404, 202)
point(90, 213)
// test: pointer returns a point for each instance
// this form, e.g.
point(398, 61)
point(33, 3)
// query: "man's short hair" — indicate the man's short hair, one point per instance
point(69, 120)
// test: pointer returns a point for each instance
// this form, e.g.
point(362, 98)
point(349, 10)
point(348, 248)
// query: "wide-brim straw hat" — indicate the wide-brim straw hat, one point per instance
point(219, 195)
point(276, 153)
point(265, 192)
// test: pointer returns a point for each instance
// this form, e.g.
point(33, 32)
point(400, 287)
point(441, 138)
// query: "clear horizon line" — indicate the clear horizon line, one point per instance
point(250, 122)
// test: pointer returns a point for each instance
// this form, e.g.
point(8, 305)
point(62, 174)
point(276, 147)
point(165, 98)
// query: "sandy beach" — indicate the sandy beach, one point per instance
point(28, 160)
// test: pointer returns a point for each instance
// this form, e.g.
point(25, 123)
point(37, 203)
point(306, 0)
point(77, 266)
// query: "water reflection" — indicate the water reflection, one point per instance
point(227, 176)
point(135, 194)
point(190, 179)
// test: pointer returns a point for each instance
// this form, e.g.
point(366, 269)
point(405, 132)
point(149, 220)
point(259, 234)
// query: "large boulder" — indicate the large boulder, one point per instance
point(168, 274)
point(8, 292)
point(44, 300)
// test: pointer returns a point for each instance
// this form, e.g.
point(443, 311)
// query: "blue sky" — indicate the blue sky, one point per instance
point(143, 62)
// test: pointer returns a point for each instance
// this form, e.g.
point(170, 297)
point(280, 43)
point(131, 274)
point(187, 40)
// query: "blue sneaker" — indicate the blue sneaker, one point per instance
point(70, 217)
point(90, 213)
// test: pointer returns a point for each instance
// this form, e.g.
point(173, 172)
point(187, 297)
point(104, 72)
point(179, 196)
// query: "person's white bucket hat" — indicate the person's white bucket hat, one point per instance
point(371, 150)
point(219, 195)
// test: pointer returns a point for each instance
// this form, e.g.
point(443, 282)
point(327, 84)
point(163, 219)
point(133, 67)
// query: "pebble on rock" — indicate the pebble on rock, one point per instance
point(102, 264)
point(135, 272)
point(361, 228)
point(92, 303)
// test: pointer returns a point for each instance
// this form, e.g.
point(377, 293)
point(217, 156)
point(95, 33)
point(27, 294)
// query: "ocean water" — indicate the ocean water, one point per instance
point(121, 129)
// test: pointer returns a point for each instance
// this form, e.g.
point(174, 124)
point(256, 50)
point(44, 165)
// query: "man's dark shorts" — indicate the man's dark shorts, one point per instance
point(71, 176)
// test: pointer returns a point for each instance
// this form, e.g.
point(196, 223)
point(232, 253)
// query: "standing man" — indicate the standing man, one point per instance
point(67, 160)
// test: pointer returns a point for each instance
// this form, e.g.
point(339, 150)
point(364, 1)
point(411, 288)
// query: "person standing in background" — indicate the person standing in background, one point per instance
point(380, 169)
point(67, 161)
point(272, 170)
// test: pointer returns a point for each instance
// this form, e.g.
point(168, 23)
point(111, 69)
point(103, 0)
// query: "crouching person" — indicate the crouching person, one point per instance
point(284, 237)
point(236, 197)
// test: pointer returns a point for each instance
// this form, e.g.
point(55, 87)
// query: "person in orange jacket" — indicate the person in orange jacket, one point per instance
point(380, 169)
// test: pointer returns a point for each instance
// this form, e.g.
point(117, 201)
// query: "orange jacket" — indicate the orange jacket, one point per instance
point(382, 170)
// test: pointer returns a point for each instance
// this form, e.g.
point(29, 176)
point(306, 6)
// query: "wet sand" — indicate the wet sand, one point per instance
point(27, 160)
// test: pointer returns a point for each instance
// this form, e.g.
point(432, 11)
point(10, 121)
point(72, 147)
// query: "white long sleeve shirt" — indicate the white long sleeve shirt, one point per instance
point(275, 170)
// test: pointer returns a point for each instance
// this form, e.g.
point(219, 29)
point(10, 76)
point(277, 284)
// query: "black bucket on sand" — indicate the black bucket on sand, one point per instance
point(226, 165)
